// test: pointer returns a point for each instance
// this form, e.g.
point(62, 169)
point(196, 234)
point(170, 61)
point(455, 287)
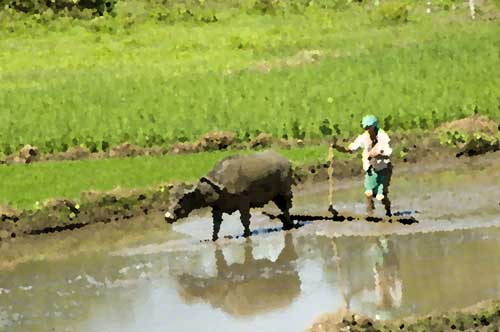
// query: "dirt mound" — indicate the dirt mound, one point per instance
point(479, 146)
point(131, 150)
point(26, 155)
point(76, 153)
point(8, 213)
point(262, 140)
point(59, 203)
point(73, 153)
point(184, 147)
point(473, 124)
point(155, 151)
point(214, 141)
point(219, 140)
point(125, 150)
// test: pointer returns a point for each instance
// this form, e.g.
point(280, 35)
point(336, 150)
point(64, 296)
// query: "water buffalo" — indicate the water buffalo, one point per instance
point(240, 182)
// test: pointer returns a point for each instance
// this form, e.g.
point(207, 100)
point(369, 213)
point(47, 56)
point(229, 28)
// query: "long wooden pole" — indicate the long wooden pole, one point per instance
point(330, 181)
point(472, 8)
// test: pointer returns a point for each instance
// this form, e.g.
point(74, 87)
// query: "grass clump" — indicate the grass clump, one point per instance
point(390, 12)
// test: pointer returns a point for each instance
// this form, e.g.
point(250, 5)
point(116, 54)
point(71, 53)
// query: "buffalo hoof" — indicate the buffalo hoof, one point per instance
point(247, 234)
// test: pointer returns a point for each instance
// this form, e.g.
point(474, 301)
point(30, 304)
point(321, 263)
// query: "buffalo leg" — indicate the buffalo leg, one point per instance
point(245, 220)
point(284, 203)
point(217, 218)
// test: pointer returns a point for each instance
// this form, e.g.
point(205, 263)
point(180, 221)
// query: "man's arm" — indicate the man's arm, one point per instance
point(341, 148)
point(350, 149)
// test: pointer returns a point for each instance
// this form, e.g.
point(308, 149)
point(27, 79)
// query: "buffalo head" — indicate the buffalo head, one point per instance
point(201, 195)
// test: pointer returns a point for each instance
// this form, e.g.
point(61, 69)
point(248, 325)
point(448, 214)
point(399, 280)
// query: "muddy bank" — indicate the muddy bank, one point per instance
point(413, 152)
point(213, 141)
point(473, 135)
point(484, 316)
point(95, 238)
point(94, 207)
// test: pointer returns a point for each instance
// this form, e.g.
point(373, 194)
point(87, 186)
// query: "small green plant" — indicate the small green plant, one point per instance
point(97, 7)
point(269, 7)
point(131, 11)
point(390, 12)
point(453, 138)
point(446, 4)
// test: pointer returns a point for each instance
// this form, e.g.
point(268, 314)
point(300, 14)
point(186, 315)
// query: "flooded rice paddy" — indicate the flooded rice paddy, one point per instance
point(279, 281)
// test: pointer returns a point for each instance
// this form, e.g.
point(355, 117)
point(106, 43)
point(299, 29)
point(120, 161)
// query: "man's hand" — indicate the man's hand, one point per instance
point(333, 143)
point(338, 147)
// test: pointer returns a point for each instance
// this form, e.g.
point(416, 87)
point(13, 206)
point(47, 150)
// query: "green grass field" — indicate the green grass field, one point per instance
point(24, 185)
point(105, 81)
point(154, 84)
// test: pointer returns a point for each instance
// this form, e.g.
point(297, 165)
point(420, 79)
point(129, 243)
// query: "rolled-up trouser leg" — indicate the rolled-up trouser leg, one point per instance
point(377, 184)
point(370, 187)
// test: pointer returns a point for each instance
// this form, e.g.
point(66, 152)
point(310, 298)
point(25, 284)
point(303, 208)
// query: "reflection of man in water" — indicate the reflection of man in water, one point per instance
point(388, 285)
point(255, 286)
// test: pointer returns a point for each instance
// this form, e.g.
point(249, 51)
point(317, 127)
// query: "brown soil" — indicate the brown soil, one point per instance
point(412, 143)
point(473, 124)
point(73, 153)
point(484, 316)
point(214, 141)
point(125, 150)
point(58, 214)
point(95, 207)
point(263, 140)
point(26, 155)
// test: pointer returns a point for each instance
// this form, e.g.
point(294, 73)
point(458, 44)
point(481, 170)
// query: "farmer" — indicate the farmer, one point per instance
point(376, 162)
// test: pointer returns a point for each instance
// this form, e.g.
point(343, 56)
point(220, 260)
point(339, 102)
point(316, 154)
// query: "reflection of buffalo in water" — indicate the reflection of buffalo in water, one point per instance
point(255, 286)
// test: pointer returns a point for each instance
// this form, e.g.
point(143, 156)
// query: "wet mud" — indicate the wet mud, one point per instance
point(64, 214)
point(484, 316)
point(274, 280)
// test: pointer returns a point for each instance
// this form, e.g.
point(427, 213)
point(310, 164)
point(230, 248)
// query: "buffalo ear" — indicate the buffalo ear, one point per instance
point(184, 189)
point(208, 191)
point(215, 185)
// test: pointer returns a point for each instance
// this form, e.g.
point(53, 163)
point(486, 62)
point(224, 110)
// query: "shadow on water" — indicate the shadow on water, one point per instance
point(397, 218)
point(301, 220)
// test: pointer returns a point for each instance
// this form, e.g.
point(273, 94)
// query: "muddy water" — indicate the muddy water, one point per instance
point(279, 281)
